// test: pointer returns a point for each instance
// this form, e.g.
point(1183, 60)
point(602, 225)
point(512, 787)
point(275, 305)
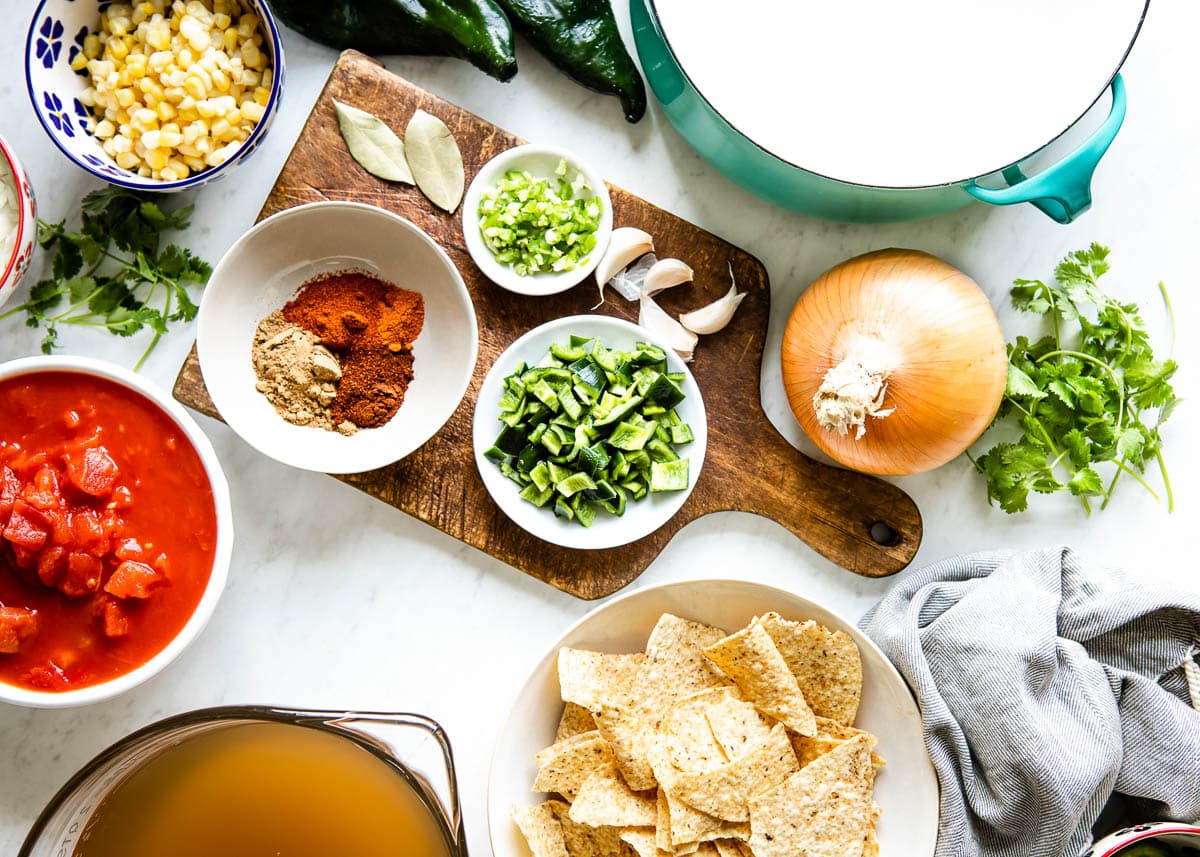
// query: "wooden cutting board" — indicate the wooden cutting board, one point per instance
point(862, 523)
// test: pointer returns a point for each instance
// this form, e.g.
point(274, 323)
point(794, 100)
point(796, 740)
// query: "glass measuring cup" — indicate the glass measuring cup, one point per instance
point(413, 746)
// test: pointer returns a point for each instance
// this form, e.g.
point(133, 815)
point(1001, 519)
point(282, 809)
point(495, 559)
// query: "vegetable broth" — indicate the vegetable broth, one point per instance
point(263, 790)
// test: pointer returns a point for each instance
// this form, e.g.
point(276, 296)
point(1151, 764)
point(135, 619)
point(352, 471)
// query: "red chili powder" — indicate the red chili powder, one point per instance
point(371, 326)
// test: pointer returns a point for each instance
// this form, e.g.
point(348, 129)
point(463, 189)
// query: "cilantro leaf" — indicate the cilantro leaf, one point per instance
point(1090, 395)
point(146, 289)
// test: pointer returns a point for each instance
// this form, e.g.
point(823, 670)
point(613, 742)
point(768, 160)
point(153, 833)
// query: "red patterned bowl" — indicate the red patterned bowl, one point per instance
point(1168, 832)
point(14, 266)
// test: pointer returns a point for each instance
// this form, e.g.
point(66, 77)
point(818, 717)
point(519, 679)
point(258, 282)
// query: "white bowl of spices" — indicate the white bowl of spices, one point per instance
point(336, 337)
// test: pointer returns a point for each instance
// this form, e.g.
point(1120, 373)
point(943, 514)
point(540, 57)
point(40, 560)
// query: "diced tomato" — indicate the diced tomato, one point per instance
point(83, 575)
point(22, 531)
point(51, 564)
point(87, 529)
point(132, 580)
point(18, 625)
point(129, 549)
point(10, 489)
point(46, 678)
point(43, 491)
point(92, 472)
point(107, 530)
point(116, 623)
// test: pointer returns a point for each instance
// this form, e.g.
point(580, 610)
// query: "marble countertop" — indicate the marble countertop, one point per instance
point(337, 601)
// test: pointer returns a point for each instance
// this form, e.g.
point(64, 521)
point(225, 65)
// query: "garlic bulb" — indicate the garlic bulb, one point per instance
point(624, 245)
point(666, 273)
point(665, 329)
point(894, 362)
point(714, 317)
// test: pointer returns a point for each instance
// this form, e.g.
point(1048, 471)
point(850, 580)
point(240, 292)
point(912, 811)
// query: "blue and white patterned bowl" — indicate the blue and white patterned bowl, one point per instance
point(56, 36)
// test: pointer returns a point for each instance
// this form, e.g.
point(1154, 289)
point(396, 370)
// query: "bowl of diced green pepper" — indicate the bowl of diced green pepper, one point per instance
point(589, 434)
point(536, 219)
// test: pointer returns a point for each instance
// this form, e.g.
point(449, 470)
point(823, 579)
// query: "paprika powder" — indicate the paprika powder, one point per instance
point(370, 325)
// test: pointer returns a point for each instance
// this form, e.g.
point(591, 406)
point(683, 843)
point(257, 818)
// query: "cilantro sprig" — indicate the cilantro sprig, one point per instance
point(143, 289)
point(1089, 396)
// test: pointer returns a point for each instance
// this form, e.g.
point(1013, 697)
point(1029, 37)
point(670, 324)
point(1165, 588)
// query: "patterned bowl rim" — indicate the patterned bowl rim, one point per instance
point(14, 167)
point(1115, 843)
point(264, 14)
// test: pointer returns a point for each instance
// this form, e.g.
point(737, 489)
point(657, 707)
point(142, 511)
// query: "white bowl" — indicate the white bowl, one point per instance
point(262, 271)
point(14, 266)
point(220, 568)
point(540, 162)
point(906, 788)
point(642, 517)
point(56, 36)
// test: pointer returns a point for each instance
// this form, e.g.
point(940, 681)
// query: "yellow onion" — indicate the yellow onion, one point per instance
point(894, 362)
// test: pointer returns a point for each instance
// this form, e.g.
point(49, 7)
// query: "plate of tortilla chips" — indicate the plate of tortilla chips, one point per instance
point(717, 718)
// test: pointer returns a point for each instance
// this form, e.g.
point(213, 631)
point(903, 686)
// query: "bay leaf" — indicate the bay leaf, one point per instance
point(435, 160)
point(373, 144)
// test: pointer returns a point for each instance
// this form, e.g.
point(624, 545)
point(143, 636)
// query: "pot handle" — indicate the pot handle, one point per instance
point(661, 72)
point(1062, 191)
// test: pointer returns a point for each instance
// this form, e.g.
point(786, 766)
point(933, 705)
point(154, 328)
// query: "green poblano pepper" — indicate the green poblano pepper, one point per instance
point(475, 30)
point(582, 39)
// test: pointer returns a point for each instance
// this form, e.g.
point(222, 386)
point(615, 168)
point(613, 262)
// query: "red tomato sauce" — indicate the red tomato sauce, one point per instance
point(108, 530)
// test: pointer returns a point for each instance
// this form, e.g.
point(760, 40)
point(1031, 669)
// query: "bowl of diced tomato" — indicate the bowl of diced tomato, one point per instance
point(115, 531)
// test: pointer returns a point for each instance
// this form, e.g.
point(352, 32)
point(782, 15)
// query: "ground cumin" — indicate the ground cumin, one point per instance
point(371, 326)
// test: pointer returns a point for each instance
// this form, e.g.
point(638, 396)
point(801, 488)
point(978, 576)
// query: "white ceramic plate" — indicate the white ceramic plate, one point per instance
point(540, 162)
point(263, 270)
point(642, 517)
point(221, 555)
point(906, 788)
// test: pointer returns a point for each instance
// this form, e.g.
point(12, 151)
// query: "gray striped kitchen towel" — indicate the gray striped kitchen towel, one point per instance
point(1046, 685)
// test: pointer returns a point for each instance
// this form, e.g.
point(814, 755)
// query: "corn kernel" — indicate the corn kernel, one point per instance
point(169, 175)
point(127, 160)
point(125, 97)
point(252, 111)
point(156, 158)
point(105, 129)
point(80, 62)
point(91, 46)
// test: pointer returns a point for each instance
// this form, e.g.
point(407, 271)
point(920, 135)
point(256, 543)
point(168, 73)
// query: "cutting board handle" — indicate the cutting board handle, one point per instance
point(860, 522)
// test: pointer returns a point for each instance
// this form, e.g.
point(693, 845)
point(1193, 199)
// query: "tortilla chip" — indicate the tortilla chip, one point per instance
point(688, 824)
point(736, 724)
point(541, 829)
point(729, 848)
point(829, 735)
point(675, 666)
point(605, 801)
point(642, 841)
point(725, 792)
point(625, 733)
point(575, 720)
point(823, 810)
point(595, 679)
point(585, 841)
point(662, 824)
point(687, 737)
point(564, 765)
point(750, 658)
point(707, 849)
point(871, 844)
point(827, 665)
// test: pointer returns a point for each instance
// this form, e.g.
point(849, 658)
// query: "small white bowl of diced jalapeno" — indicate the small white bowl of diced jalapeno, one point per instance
point(588, 434)
point(536, 219)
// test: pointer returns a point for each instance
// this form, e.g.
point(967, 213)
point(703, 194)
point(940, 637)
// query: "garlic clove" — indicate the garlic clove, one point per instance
point(666, 273)
point(624, 245)
point(714, 317)
point(629, 282)
point(665, 329)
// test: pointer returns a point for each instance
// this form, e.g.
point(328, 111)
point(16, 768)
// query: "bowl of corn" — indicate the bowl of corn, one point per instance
point(153, 94)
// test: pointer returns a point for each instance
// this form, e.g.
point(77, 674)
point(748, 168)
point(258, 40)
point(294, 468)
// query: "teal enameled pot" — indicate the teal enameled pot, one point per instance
point(765, 91)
